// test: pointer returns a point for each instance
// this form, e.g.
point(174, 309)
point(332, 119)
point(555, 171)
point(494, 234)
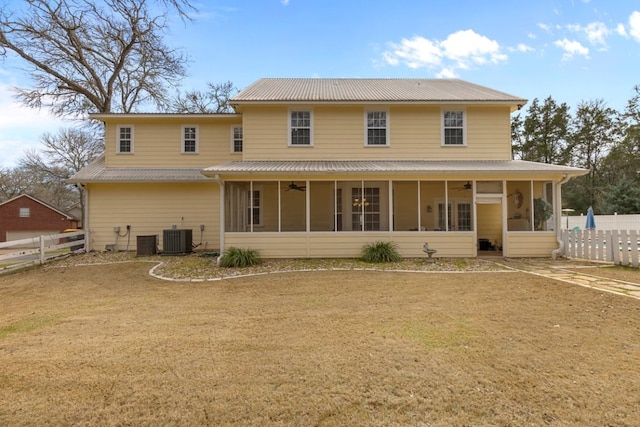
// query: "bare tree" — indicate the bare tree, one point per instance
point(214, 100)
point(87, 56)
point(61, 156)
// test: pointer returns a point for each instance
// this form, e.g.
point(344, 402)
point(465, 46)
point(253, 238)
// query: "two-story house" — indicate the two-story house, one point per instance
point(321, 167)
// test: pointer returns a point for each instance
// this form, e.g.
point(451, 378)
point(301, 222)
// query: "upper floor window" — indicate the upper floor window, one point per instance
point(377, 128)
point(25, 212)
point(236, 139)
point(189, 139)
point(300, 132)
point(125, 139)
point(453, 128)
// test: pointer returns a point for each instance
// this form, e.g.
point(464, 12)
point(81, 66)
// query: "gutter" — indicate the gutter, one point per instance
point(558, 208)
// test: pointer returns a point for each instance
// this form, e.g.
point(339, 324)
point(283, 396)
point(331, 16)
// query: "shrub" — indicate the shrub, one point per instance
point(380, 252)
point(239, 257)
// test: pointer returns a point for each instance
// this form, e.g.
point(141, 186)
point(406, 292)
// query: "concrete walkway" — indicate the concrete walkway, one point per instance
point(576, 273)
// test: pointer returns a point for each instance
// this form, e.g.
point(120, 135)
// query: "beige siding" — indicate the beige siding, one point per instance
point(157, 142)
point(151, 208)
point(530, 244)
point(349, 245)
point(339, 133)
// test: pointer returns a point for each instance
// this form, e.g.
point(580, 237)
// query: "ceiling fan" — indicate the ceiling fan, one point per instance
point(468, 186)
point(294, 186)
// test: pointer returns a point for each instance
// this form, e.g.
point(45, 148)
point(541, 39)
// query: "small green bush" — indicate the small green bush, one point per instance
point(380, 252)
point(239, 257)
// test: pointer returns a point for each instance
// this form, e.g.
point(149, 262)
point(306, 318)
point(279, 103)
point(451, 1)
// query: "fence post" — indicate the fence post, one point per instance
point(41, 249)
point(633, 237)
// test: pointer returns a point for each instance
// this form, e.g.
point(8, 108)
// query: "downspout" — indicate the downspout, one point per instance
point(85, 220)
point(87, 234)
point(220, 182)
point(558, 215)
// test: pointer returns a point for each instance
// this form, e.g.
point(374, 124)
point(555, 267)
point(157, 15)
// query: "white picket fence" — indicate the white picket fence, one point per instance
point(620, 247)
point(41, 248)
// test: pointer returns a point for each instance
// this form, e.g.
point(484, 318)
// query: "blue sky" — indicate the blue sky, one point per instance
point(572, 50)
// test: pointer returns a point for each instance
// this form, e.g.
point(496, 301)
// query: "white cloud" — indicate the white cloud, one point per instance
point(634, 25)
point(571, 48)
point(284, 2)
point(21, 128)
point(460, 50)
point(544, 27)
point(596, 32)
point(521, 47)
point(621, 30)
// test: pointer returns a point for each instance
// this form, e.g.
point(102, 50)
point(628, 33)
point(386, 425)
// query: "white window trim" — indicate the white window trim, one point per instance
point(233, 135)
point(302, 109)
point(250, 207)
point(366, 127)
point(183, 139)
point(464, 126)
point(118, 139)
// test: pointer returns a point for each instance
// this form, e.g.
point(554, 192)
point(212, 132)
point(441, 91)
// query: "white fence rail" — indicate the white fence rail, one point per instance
point(42, 248)
point(620, 247)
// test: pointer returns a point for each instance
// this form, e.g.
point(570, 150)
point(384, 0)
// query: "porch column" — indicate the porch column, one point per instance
point(222, 208)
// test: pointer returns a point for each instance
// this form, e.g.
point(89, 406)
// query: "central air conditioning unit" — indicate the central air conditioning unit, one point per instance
point(176, 242)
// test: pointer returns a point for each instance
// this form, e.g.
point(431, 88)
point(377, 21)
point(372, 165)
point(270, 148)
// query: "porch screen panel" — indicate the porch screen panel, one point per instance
point(405, 206)
point(265, 206)
point(432, 194)
point(519, 206)
point(460, 207)
point(543, 206)
point(293, 206)
point(236, 206)
point(322, 206)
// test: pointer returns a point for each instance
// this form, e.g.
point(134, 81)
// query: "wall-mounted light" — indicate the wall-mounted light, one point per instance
point(429, 208)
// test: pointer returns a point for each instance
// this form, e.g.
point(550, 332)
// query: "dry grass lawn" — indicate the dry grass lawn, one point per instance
point(109, 345)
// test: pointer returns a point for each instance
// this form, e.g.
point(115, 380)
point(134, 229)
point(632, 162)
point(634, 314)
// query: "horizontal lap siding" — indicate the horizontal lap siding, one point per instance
point(150, 209)
point(270, 245)
point(530, 244)
point(158, 143)
point(414, 134)
point(349, 245)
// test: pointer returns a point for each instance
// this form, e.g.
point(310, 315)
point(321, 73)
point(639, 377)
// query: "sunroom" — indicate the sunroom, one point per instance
point(332, 209)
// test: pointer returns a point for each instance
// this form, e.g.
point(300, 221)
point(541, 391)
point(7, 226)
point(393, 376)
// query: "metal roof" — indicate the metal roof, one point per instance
point(390, 166)
point(371, 90)
point(97, 172)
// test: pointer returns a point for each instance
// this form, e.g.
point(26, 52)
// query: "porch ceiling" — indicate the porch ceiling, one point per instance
point(391, 166)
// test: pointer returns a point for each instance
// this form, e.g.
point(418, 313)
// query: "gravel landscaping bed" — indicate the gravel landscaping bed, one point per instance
point(201, 266)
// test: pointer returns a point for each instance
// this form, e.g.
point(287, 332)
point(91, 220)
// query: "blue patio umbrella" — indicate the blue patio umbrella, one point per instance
point(591, 221)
